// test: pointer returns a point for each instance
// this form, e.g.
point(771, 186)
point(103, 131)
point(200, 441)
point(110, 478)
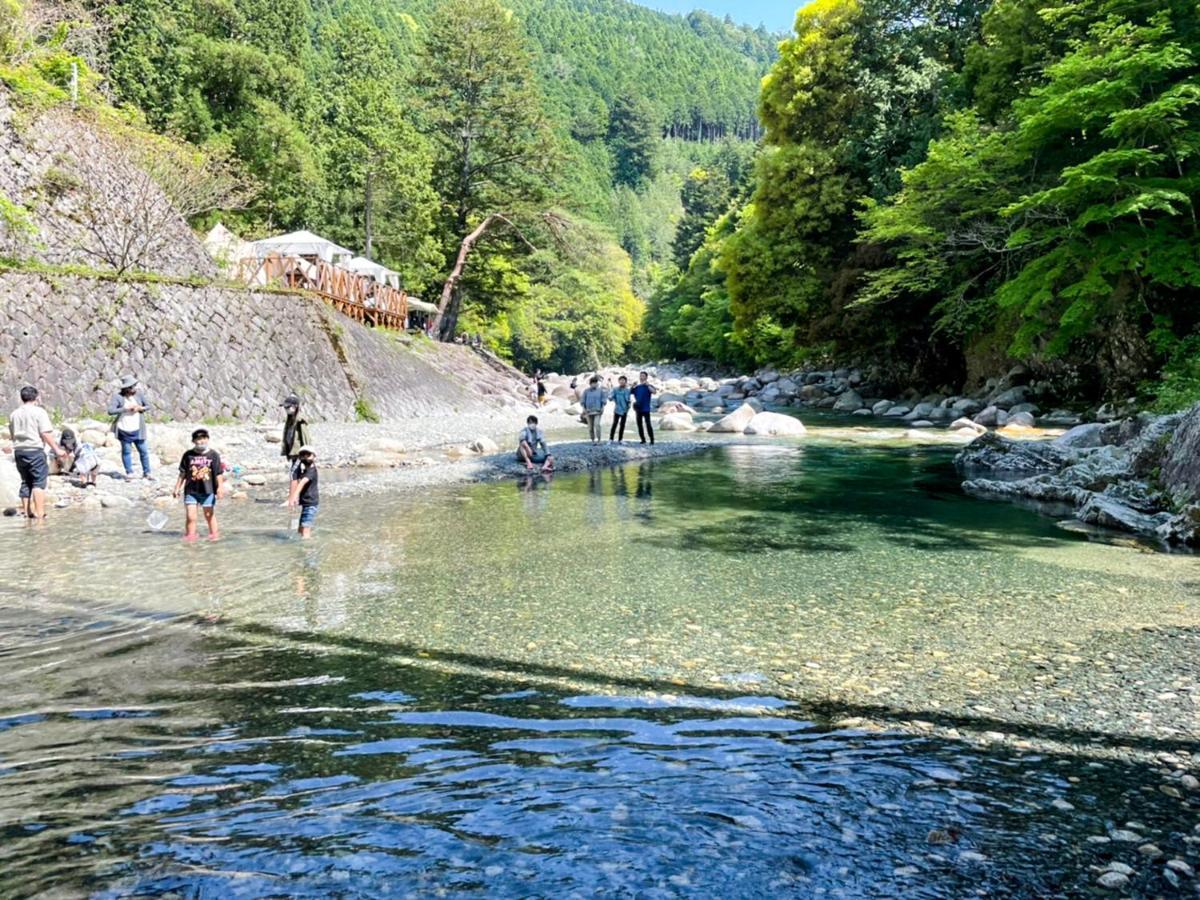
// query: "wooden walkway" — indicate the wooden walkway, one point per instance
point(360, 297)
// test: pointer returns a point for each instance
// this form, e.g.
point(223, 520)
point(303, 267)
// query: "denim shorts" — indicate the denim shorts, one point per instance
point(210, 501)
point(308, 515)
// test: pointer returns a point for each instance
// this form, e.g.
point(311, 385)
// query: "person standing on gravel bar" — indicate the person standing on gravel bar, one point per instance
point(201, 481)
point(128, 409)
point(541, 391)
point(620, 398)
point(593, 401)
point(304, 491)
point(29, 427)
point(642, 392)
point(295, 430)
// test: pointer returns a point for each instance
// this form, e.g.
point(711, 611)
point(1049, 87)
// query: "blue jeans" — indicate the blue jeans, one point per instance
point(129, 440)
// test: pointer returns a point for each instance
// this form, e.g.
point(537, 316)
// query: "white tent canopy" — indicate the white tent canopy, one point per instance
point(421, 306)
point(301, 243)
point(364, 266)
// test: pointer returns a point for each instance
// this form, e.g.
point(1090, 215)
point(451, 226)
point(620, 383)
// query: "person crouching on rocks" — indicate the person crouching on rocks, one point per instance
point(201, 481)
point(531, 446)
point(304, 490)
point(593, 401)
point(128, 409)
point(295, 430)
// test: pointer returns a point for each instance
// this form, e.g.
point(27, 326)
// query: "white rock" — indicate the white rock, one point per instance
point(965, 423)
point(386, 445)
point(736, 421)
point(774, 423)
point(10, 482)
point(254, 478)
point(483, 445)
point(676, 422)
point(115, 501)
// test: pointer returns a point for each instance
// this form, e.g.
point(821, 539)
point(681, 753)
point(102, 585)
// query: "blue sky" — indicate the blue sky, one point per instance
point(777, 15)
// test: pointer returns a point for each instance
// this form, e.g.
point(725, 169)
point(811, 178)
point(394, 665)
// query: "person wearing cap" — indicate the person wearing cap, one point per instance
point(295, 430)
point(304, 491)
point(128, 408)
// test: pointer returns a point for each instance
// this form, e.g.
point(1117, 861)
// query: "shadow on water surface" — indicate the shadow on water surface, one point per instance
point(335, 769)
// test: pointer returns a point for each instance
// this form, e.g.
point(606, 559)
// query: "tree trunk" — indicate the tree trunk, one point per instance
point(446, 320)
point(367, 218)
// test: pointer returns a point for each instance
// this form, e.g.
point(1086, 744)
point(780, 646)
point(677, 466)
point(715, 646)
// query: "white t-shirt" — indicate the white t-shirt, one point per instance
point(26, 425)
point(130, 421)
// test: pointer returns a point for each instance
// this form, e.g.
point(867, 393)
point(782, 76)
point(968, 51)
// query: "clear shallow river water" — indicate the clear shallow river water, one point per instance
point(634, 680)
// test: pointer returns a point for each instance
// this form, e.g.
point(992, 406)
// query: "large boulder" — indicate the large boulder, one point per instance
point(775, 424)
point(676, 422)
point(1180, 473)
point(736, 421)
point(848, 401)
point(1110, 512)
point(1011, 397)
point(1082, 437)
point(675, 406)
point(994, 454)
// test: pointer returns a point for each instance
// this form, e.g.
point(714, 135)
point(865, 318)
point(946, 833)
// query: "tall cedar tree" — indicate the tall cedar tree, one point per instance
point(494, 151)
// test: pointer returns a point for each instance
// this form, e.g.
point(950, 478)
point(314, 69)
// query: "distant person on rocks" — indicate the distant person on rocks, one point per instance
point(128, 409)
point(531, 446)
point(593, 408)
point(30, 429)
point(621, 399)
point(295, 430)
point(304, 492)
point(541, 391)
point(642, 392)
point(201, 481)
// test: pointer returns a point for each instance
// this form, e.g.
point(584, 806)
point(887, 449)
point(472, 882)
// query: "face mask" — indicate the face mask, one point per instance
point(201, 446)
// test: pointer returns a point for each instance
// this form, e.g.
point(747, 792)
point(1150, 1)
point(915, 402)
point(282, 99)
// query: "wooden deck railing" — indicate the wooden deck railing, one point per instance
point(360, 297)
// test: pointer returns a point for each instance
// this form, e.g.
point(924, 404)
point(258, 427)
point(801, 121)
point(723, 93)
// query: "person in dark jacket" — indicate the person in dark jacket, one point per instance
point(295, 430)
point(128, 408)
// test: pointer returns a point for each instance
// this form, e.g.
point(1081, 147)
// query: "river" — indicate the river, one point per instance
point(770, 669)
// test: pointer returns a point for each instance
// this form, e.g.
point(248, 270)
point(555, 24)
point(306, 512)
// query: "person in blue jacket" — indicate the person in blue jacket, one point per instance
point(621, 399)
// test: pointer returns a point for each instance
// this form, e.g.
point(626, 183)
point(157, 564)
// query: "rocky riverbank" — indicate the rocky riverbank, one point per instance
point(1139, 475)
point(416, 452)
point(1015, 399)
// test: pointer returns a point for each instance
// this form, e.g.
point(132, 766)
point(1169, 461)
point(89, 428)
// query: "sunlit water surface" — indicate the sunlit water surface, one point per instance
point(595, 685)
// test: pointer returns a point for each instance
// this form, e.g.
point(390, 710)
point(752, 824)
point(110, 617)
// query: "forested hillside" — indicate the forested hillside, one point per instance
point(947, 186)
point(347, 117)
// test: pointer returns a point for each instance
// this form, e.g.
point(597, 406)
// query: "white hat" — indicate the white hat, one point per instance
point(307, 448)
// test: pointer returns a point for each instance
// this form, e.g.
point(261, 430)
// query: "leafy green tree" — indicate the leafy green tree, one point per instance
point(494, 150)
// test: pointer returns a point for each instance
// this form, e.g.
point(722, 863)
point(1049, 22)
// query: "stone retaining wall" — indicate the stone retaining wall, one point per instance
point(220, 353)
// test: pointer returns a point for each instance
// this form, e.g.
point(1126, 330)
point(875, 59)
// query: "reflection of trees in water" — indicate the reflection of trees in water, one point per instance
point(799, 498)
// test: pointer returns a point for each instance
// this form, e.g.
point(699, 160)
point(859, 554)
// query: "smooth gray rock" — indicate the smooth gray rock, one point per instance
point(897, 412)
point(1181, 461)
point(1011, 397)
point(1081, 436)
point(848, 401)
point(989, 416)
point(881, 407)
point(1022, 419)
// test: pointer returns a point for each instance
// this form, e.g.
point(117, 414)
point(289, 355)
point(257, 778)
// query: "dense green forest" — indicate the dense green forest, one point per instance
point(931, 188)
point(582, 120)
point(947, 186)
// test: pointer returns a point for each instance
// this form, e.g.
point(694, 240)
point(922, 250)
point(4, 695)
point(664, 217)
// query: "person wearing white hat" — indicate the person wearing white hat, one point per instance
point(304, 491)
point(128, 409)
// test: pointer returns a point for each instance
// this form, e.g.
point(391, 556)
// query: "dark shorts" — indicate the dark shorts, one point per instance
point(308, 515)
point(33, 469)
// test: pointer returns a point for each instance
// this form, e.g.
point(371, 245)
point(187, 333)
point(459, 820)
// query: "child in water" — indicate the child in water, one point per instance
point(201, 481)
point(304, 492)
